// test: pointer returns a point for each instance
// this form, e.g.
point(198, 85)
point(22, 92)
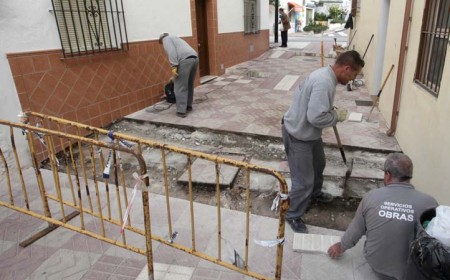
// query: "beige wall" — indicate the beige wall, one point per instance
point(423, 126)
point(366, 25)
point(392, 52)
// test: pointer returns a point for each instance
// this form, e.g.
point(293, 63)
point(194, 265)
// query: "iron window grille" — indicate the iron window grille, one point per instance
point(433, 45)
point(251, 17)
point(90, 26)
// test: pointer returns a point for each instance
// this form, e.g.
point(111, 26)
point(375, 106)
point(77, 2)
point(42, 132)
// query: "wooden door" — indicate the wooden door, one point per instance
point(202, 37)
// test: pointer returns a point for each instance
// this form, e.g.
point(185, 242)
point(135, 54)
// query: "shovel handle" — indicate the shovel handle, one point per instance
point(338, 139)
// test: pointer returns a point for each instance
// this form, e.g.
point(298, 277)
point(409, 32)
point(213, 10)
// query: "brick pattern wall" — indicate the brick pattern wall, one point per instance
point(94, 90)
point(235, 48)
point(99, 89)
point(102, 88)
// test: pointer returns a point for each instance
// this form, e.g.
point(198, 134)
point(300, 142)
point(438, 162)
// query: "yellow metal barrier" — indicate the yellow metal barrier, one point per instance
point(47, 130)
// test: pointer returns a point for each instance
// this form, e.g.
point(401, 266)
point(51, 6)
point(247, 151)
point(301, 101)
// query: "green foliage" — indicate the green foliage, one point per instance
point(337, 21)
point(316, 28)
point(272, 2)
point(320, 17)
point(336, 12)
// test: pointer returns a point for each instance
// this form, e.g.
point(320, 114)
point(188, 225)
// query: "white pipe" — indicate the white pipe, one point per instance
point(381, 44)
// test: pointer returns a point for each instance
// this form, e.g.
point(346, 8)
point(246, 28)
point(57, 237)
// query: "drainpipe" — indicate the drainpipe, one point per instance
point(401, 67)
point(275, 30)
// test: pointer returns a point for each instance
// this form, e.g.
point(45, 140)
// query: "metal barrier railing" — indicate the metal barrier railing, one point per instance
point(42, 128)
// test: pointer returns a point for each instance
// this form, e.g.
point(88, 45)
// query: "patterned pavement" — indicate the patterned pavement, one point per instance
point(252, 97)
point(65, 254)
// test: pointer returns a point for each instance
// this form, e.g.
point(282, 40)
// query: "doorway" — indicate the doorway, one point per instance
point(202, 37)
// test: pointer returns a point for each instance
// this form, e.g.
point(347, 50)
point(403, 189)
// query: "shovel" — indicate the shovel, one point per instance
point(349, 165)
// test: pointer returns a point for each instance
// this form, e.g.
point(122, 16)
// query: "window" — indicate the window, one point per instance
point(90, 26)
point(433, 44)
point(251, 16)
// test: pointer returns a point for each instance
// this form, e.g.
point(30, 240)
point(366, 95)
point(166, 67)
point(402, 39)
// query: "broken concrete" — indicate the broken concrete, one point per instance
point(203, 172)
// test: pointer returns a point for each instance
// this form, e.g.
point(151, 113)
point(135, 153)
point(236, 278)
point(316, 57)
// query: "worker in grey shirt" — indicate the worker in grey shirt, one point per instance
point(184, 61)
point(311, 111)
point(387, 217)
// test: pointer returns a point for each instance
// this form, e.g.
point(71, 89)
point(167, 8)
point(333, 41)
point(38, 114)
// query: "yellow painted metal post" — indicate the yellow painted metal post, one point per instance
point(219, 222)
point(247, 211)
point(39, 176)
point(77, 179)
point(5, 165)
point(191, 202)
point(166, 188)
point(322, 54)
point(19, 168)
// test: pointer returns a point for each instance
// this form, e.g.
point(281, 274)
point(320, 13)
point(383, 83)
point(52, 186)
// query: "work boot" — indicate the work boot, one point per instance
point(181, 115)
point(189, 108)
point(297, 225)
point(323, 197)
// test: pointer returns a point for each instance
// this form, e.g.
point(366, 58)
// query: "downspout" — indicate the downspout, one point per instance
point(275, 30)
point(401, 67)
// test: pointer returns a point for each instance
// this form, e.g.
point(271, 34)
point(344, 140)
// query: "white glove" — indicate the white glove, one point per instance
point(341, 114)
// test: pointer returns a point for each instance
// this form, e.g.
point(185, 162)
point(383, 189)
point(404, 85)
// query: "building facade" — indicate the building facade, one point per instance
point(94, 62)
point(414, 37)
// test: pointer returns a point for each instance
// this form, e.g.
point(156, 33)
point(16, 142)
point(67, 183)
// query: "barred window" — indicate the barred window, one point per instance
point(90, 26)
point(251, 16)
point(433, 45)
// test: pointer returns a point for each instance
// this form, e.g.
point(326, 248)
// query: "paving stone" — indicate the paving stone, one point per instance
point(355, 117)
point(276, 54)
point(262, 181)
point(287, 82)
point(366, 173)
point(313, 243)
point(204, 172)
point(168, 272)
point(65, 264)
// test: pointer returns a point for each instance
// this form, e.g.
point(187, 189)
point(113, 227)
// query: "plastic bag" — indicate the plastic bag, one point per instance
point(439, 227)
point(428, 258)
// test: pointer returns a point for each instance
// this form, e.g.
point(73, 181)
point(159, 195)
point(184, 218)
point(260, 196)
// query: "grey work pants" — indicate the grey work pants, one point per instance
point(184, 84)
point(306, 163)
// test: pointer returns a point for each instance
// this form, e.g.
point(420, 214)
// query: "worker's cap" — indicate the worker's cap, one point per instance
point(163, 35)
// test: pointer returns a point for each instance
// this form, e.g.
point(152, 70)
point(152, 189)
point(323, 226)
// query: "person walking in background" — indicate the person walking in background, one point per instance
point(286, 25)
point(184, 61)
point(311, 111)
point(387, 217)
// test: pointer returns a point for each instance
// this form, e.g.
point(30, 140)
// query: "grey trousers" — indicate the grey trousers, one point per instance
point(306, 163)
point(184, 83)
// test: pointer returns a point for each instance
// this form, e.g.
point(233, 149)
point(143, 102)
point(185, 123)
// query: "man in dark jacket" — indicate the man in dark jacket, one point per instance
point(286, 25)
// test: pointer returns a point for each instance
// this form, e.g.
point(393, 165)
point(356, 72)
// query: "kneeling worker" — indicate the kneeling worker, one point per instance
point(387, 217)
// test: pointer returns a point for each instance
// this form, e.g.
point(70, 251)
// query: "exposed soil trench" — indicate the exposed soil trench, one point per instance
point(334, 215)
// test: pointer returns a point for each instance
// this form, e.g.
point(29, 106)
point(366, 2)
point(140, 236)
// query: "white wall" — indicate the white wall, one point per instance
point(28, 25)
point(146, 20)
point(25, 25)
point(230, 15)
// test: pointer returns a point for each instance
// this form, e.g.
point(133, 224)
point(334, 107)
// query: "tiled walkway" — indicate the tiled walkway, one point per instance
point(65, 254)
point(243, 101)
point(253, 96)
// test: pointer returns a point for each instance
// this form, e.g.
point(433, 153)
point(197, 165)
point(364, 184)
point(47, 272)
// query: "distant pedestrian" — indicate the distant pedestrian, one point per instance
point(184, 61)
point(311, 111)
point(285, 25)
point(387, 217)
